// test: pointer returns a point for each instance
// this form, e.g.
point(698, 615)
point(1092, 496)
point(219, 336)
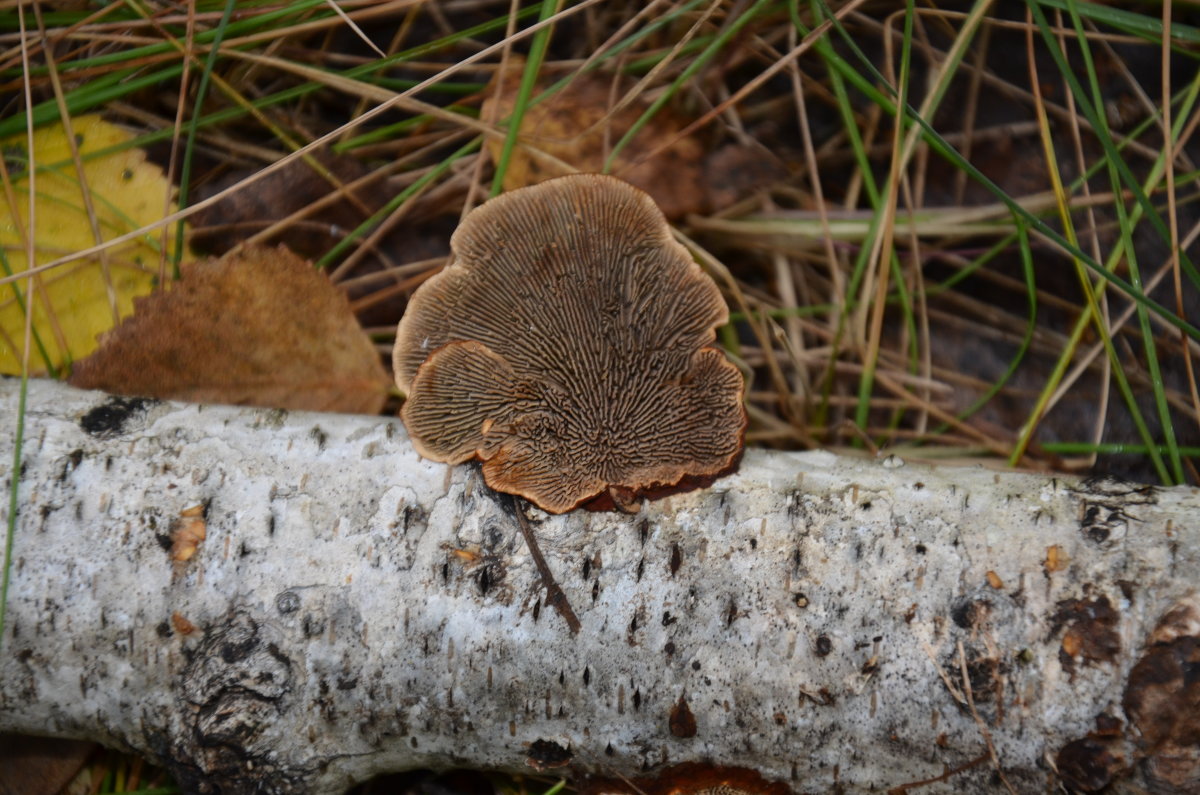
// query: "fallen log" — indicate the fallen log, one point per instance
point(285, 602)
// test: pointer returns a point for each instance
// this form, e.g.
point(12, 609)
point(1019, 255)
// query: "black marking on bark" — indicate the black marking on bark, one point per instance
point(488, 577)
point(71, 462)
point(635, 624)
point(109, 418)
point(236, 681)
point(493, 538)
point(312, 625)
point(795, 504)
point(545, 754)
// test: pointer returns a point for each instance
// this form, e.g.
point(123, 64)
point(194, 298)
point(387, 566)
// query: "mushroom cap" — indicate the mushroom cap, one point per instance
point(568, 345)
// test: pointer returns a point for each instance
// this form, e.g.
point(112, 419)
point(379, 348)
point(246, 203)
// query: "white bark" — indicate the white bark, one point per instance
point(358, 610)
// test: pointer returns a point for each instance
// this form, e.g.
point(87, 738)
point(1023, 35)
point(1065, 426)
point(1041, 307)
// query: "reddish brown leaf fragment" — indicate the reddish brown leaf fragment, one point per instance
point(260, 327)
point(40, 765)
point(576, 127)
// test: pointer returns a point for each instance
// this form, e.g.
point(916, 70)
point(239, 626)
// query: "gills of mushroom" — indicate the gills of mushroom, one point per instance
point(568, 344)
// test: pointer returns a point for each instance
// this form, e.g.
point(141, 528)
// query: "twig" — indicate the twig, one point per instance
point(904, 788)
point(554, 595)
point(987, 736)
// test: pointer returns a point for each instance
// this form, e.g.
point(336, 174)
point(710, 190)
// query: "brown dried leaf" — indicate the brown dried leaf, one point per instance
point(40, 765)
point(258, 327)
point(574, 126)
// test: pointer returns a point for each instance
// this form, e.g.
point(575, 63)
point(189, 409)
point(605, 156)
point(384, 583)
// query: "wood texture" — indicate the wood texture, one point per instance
point(338, 608)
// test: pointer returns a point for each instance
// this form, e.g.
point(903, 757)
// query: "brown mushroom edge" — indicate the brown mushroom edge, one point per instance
point(568, 346)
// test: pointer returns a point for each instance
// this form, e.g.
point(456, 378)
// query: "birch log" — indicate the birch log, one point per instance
point(276, 602)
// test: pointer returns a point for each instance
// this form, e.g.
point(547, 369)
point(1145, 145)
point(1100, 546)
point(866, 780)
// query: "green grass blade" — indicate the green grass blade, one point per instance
point(113, 86)
point(1146, 27)
point(1126, 227)
point(943, 148)
point(193, 132)
point(692, 68)
point(866, 382)
point(361, 230)
point(1110, 448)
point(533, 66)
point(1100, 127)
point(1027, 338)
point(19, 297)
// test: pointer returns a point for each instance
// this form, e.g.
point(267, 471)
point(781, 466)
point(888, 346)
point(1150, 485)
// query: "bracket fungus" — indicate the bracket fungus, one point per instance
point(568, 345)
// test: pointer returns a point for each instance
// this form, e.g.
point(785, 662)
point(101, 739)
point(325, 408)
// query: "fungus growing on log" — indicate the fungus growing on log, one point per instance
point(568, 345)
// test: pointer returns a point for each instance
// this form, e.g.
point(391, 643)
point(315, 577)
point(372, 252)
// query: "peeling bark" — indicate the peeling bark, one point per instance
point(336, 608)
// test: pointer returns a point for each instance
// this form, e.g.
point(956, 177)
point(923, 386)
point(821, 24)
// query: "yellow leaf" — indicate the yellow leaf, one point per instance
point(76, 302)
